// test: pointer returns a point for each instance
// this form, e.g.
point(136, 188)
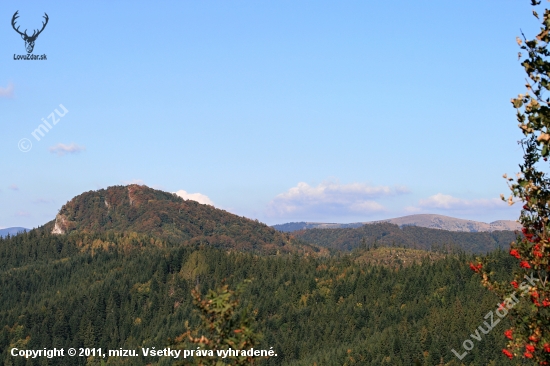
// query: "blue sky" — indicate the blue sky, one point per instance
point(277, 110)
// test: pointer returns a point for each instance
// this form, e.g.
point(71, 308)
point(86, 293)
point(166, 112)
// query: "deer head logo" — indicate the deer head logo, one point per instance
point(29, 40)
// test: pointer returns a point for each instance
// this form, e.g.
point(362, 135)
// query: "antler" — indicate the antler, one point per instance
point(15, 16)
point(34, 35)
point(43, 23)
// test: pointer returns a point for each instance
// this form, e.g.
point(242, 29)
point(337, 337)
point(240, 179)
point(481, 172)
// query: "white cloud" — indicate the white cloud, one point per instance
point(330, 199)
point(447, 202)
point(62, 149)
point(6, 92)
point(199, 197)
point(13, 187)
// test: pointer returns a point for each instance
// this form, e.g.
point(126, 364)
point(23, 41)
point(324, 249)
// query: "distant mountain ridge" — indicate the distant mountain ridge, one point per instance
point(11, 231)
point(431, 221)
point(296, 226)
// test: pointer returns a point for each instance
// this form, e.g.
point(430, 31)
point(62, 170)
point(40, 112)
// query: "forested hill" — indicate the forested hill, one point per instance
point(409, 236)
point(116, 268)
point(165, 216)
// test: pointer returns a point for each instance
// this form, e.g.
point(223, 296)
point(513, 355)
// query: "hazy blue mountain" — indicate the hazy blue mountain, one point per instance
point(12, 231)
point(295, 226)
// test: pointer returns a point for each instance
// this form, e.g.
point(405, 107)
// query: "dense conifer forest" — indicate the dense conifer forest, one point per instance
point(131, 290)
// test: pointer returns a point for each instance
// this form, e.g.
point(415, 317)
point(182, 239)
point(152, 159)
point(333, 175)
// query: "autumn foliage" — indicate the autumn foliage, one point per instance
point(529, 337)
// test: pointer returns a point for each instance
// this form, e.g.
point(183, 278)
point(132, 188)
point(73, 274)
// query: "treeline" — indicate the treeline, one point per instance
point(385, 234)
point(132, 290)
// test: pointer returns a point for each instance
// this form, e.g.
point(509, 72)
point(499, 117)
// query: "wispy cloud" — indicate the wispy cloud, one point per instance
point(199, 197)
point(7, 92)
point(447, 202)
point(331, 199)
point(62, 149)
point(13, 187)
point(22, 214)
point(39, 201)
point(412, 209)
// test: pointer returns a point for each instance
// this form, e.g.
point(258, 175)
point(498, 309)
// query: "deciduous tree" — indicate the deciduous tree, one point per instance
point(529, 338)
